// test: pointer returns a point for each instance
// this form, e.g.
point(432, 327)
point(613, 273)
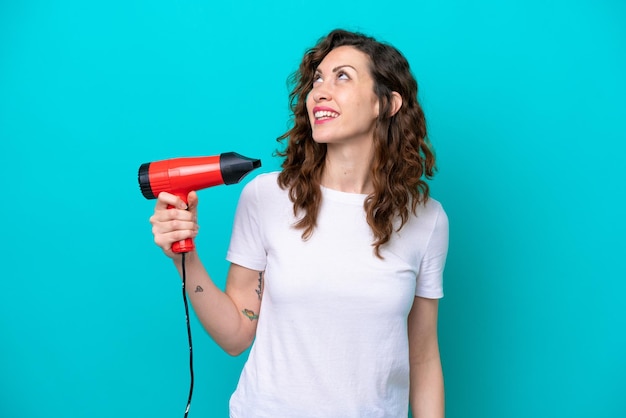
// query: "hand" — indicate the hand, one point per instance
point(176, 224)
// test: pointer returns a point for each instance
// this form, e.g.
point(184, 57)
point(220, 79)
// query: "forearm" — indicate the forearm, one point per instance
point(427, 389)
point(215, 309)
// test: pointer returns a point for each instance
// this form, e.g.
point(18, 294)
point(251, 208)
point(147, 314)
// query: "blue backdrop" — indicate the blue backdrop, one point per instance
point(525, 105)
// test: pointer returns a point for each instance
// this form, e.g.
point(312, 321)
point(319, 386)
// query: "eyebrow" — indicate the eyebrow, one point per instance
point(337, 68)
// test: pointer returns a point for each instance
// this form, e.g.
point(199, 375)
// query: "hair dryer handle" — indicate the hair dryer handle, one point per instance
point(185, 245)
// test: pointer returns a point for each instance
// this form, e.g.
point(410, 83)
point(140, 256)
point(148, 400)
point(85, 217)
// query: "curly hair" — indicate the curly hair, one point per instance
point(403, 156)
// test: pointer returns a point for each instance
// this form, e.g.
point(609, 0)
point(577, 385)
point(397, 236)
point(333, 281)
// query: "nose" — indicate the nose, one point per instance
point(320, 92)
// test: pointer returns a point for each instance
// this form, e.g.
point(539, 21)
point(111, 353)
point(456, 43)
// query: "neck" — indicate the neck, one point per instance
point(348, 170)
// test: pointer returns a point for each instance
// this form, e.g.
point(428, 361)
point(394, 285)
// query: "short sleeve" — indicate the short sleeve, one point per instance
point(246, 243)
point(430, 276)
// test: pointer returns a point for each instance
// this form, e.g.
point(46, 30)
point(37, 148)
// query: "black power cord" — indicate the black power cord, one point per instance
point(189, 337)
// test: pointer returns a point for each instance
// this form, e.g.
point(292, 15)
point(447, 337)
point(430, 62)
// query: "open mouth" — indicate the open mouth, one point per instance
point(322, 115)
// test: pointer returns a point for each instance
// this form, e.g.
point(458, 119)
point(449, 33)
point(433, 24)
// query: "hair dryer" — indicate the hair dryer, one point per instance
point(179, 176)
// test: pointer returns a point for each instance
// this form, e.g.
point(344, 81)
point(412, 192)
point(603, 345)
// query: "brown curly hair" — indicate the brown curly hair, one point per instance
point(403, 156)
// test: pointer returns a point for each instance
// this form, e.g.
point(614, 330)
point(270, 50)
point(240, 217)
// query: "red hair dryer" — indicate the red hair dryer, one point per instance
point(179, 176)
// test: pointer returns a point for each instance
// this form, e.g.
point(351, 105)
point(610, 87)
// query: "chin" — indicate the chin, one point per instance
point(321, 140)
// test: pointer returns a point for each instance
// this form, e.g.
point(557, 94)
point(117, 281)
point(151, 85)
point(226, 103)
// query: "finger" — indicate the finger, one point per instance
point(173, 225)
point(165, 241)
point(169, 215)
point(193, 205)
point(166, 199)
point(192, 200)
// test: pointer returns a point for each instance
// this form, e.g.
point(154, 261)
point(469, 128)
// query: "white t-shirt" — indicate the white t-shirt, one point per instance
point(331, 339)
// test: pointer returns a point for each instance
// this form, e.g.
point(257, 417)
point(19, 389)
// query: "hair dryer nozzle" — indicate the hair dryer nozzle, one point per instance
point(234, 167)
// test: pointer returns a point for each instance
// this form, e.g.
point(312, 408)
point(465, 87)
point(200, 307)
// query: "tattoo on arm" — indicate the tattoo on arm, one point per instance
point(250, 314)
point(199, 289)
point(259, 290)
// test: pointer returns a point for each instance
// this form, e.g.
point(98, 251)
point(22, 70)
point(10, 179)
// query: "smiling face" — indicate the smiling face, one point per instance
point(342, 106)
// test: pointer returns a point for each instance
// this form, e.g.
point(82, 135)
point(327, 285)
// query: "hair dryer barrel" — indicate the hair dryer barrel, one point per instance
point(179, 176)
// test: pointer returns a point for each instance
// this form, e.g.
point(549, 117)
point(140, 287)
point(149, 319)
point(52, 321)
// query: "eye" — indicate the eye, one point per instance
point(342, 75)
point(317, 77)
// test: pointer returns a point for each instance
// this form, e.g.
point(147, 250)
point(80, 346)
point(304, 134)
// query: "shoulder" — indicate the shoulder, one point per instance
point(264, 190)
point(264, 179)
point(262, 183)
point(431, 211)
point(429, 221)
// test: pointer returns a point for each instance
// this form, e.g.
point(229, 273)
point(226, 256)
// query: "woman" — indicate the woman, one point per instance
point(336, 261)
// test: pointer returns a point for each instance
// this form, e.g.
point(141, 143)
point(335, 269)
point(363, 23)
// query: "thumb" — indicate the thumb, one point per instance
point(192, 200)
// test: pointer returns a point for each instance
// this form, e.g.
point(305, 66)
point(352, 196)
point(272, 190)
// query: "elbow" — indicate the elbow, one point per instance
point(236, 348)
point(234, 352)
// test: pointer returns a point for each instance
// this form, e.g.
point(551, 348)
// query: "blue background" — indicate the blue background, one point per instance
point(525, 102)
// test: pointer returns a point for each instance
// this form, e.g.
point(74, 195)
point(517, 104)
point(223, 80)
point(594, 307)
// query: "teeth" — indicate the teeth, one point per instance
point(325, 114)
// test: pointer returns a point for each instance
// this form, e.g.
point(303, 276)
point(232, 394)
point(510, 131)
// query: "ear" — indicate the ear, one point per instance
point(396, 103)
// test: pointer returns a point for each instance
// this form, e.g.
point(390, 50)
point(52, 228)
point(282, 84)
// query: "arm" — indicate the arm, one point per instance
point(427, 388)
point(230, 316)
